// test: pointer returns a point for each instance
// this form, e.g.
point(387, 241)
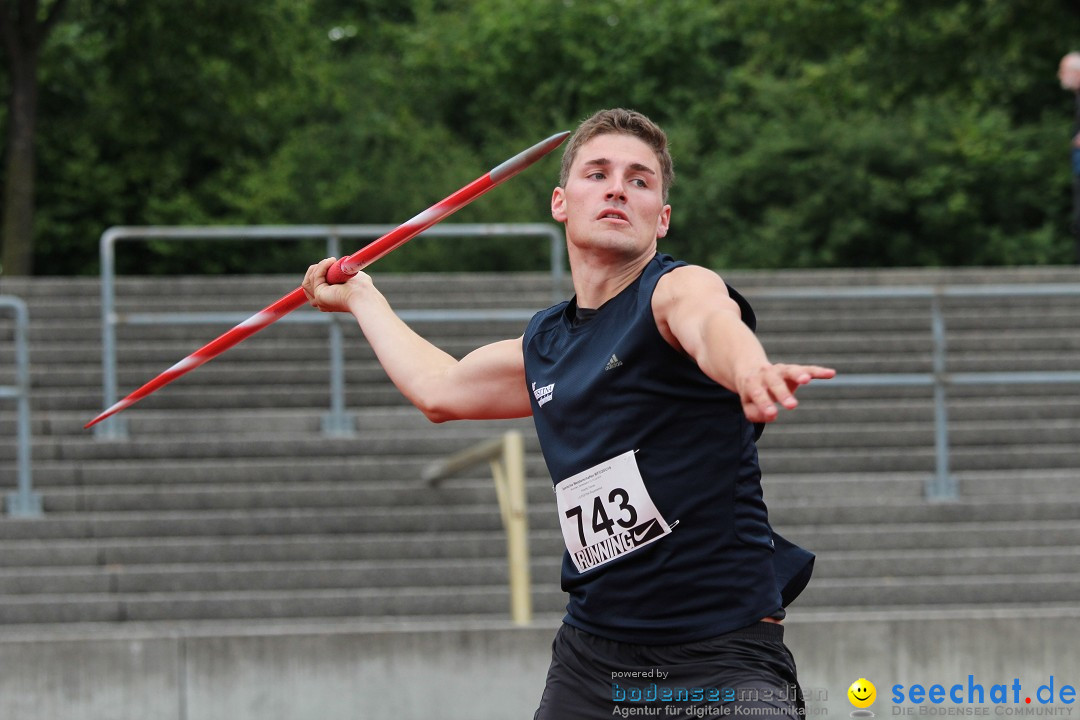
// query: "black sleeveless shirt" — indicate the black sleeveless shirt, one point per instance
point(612, 384)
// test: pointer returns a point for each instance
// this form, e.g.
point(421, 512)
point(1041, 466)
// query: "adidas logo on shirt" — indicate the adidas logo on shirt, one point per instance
point(613, 363)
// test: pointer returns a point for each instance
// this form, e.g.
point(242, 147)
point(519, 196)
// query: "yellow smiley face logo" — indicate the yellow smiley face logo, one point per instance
point(862, 693)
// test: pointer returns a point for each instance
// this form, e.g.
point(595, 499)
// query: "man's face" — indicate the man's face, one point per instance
point(613, 199)
point(1069, 74)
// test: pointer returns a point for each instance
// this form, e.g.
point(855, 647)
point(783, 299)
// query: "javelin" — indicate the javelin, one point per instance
point(343, 269)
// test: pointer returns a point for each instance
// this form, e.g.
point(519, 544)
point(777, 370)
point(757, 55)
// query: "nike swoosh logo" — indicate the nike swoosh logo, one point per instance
point(647, 531)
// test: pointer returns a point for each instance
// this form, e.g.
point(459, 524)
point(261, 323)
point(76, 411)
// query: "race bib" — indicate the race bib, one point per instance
point(606, 513)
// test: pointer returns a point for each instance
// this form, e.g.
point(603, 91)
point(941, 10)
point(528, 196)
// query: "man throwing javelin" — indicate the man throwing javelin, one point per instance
point(648, 390)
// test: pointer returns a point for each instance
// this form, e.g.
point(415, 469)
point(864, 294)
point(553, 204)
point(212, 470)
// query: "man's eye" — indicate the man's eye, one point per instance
point(640, 182)
point(596, 176)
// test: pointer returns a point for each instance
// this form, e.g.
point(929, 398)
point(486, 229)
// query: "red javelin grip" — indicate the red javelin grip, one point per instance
point(343, 269)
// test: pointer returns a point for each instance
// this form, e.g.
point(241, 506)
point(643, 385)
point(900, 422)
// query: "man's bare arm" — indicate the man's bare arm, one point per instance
point(695, 313)
point(488, 383)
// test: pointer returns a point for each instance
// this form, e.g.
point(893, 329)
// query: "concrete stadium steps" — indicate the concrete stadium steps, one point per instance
point(218, 577)
point(492, 601)
point(110, 472)
point(834, 407)
point(260, 494)
point(995, 436)
point(253, 593)
point(276, 521)
point(316, 370)
point(227, 502)
point(257, 493)
point(185, 394)
point(332, 491)
point(388, 600)
point(838, 406)
point(444, 546)
point(897, 550)
point(994, 536)
point(1032, 589)
point(859, 564)
point(352, 603)
point(435, 517)
point(192, 468)
point(976, 421)
point(178, 555)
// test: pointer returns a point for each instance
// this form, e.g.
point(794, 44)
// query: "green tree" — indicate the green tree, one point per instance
point(24, 27)
point(153, 112)
point(805, 132)
point(906, 133)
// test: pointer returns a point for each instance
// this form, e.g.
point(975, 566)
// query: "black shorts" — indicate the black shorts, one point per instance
point(748, 672)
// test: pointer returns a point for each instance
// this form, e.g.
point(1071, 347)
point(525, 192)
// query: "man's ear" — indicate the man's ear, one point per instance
point(663, 222)
point(558, 205)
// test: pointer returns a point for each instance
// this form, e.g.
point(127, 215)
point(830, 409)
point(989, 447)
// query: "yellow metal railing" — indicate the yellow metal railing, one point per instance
point(506, 455)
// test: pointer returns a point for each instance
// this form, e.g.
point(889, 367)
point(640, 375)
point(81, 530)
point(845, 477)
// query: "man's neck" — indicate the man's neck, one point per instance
point(598, 278)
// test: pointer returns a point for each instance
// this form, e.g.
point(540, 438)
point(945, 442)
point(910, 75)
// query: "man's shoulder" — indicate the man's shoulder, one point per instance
point(545, 319)
point(685, 279)
point(696, 286)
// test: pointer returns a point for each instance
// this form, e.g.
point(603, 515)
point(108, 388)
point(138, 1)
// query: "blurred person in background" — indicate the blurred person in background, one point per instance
point(1069, 75)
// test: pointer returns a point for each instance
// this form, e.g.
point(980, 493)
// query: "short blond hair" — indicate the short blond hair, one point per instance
point(620, 121)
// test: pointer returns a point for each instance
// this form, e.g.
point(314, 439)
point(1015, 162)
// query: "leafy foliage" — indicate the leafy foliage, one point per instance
point(805, 132)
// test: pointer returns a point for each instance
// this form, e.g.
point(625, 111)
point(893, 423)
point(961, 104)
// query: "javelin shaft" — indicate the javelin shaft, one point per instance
point(342, 270)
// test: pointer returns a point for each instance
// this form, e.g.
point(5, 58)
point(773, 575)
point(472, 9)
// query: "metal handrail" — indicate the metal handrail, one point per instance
point(942, 485)
point(506, 456)
point(336, 421)
point(24, 502)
